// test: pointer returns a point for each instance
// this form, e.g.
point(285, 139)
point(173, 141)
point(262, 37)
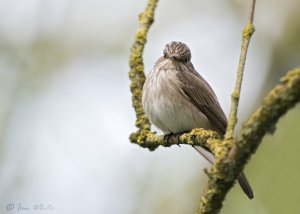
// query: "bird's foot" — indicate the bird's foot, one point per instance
point(167, 139)
point(178, 134)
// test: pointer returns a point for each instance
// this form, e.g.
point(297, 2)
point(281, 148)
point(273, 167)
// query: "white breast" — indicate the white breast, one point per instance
point(166, 107)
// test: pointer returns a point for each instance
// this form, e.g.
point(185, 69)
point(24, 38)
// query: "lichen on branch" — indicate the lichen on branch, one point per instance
point(229, 164)
point(197, 137)
point(231, 153)
point(136, 73)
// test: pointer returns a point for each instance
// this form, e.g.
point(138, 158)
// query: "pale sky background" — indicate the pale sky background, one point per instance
point(65, 104)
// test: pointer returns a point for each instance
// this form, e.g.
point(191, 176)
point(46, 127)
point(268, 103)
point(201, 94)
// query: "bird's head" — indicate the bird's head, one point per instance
point(178, 52)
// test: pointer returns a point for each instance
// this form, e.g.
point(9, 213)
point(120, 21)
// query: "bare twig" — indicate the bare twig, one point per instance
point(251, 11)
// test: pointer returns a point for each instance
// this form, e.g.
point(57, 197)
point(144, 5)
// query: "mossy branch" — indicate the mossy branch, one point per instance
point(232, 153)
point(136, 74)
point(197, 137)
point(231, 160)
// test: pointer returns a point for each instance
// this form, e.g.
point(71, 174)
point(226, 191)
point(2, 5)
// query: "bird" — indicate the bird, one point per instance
point(177, 99)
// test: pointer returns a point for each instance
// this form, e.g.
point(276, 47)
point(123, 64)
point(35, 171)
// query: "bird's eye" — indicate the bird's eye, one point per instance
point(186, 60)
point(165, 55)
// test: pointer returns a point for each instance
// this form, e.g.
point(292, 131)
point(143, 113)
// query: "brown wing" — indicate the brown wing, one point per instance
point(198, 91)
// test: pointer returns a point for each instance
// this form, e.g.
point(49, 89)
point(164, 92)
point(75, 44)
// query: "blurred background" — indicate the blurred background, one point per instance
point(65, 105)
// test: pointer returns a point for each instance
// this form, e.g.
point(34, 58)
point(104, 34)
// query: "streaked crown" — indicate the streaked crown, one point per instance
point(177, 51)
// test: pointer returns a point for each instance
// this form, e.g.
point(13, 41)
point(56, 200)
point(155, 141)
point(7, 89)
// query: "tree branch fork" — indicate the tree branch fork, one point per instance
point(232, 153)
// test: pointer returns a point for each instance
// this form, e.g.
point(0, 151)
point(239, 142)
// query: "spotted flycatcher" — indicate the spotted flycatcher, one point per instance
point(176, 98)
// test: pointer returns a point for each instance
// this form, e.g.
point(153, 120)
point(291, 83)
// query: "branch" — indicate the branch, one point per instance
point(197, 137)
point(136, 64)
point(230, 162)
point(231, 154)
point(235, 96)
point(221, 177)
point(263, 121)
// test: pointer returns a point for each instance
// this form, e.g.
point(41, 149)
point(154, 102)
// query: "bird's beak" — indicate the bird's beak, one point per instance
point(173, 58)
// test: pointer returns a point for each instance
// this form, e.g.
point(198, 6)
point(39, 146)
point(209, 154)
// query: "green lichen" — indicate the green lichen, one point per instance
point(235, 95)
point(248, 31)
point(197, 137)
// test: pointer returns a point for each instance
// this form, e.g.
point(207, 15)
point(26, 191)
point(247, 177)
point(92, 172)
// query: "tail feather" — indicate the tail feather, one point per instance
point(245, 185)
point(241, 177)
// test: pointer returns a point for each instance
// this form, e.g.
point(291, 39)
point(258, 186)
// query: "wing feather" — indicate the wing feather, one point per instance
point(199, 92)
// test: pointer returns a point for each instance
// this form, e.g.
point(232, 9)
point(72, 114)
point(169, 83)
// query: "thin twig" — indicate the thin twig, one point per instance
point(235, 96)
point(251, 11)
point(220, 175)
